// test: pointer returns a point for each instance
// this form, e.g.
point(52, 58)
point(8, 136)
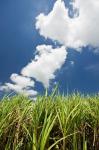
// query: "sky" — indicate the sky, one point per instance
point(46, 43)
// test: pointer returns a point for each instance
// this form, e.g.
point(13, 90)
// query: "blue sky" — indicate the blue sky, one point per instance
point(19, 39)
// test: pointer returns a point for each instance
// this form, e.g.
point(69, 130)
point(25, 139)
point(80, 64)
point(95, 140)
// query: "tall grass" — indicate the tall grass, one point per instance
point(50, 123)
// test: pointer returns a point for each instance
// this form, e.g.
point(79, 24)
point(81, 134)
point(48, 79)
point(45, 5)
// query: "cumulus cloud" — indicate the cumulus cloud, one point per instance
point(22, 81)
point(74, 32)
point(20, 84)
point(46, 63)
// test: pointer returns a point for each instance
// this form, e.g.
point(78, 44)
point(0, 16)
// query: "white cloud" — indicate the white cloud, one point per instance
point(22, 81)
point(46, 63)
point(42, 68)
point(72, 32)
point(82, 30)
point(20, 85)
point(72, 63)
point(56, 24)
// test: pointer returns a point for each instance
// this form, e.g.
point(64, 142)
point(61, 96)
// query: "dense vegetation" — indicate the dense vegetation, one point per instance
point(49, 123)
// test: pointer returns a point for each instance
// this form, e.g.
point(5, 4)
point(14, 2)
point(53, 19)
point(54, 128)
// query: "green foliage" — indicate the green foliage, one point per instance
point(49, 123)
